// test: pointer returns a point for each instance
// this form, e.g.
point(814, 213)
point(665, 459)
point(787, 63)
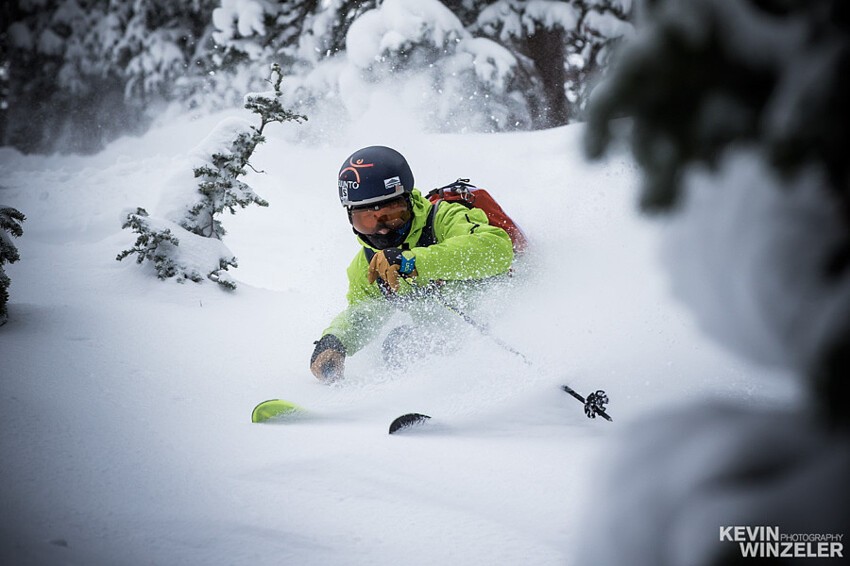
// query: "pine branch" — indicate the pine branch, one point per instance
point(11, 220)
point(271, 110)
point(151, 245)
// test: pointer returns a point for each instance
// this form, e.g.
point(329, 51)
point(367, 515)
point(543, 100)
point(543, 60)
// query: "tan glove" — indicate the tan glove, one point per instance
point(389, 264)
point(328, 360)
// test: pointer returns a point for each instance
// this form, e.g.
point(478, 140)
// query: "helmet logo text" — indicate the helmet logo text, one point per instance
point(354, 167)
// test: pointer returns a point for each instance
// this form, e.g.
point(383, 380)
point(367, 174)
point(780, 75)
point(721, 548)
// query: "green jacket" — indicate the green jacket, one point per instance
point(467, 248)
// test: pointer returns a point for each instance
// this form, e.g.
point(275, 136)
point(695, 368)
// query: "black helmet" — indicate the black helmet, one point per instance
point(373, 174)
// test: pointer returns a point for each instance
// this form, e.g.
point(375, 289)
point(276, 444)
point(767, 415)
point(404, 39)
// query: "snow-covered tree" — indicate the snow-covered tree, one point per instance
point(83, 71)
point(10, 226)
point(175, 252)
point(220, 186)
point(463, 64)
point(422, 54)
point(562, 45)
point(712, 81)
point(186, 242)
point(247, 36)
point(788, 102)
point(738, 117)
point(287, 31)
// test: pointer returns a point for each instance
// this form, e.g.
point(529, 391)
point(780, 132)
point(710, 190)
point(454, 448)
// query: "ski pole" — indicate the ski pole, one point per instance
point(594, 404)
point(483, 329)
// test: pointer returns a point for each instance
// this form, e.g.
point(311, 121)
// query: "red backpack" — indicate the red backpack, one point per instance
point(470, 196)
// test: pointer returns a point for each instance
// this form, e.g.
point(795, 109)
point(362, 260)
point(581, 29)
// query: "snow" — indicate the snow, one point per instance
point(549, 14)
point(517, 20)
point(605, 24)
point(125, 402)
point(400, 23)
point(245, 15)
point(492, 62)
point(701, 474)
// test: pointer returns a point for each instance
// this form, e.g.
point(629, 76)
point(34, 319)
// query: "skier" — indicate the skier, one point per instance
point(407, 251)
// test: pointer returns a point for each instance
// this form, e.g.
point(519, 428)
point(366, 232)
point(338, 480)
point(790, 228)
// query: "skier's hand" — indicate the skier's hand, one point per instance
point(328, 360)
point(388, 264)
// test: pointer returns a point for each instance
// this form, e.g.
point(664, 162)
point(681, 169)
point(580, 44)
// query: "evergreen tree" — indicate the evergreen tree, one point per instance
point(220, 188)
point(158, 244)
point(155, 244)
point(447, 77)
point(512, 64)
point(678, 86)
point(10, 226)
point(772, 77)
point(326, 27)
point(167, 244)
point(737, 114)
point(82, 72)
point(77, 73)
point(250, 31)
point(562, 46)
point(251, 35)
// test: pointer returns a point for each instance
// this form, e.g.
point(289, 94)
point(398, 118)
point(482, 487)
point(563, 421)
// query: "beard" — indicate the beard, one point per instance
point(392, 239)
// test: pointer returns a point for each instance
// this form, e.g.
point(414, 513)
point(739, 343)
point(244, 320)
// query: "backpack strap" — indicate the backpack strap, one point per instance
point(428, 238)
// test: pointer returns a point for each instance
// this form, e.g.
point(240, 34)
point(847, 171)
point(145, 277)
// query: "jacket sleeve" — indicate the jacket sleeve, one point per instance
point(468, 247)
point(367, 309)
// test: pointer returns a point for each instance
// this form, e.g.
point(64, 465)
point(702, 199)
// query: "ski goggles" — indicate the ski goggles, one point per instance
point(386, 216)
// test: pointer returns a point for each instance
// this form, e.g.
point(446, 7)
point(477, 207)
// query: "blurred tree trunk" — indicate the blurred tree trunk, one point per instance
point(546, 49)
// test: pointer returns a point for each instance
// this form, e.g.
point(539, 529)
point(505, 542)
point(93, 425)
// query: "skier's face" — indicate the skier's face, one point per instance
point(382, 218)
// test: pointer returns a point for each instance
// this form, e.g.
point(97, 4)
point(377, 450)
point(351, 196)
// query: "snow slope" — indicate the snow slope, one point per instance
point(125, 402)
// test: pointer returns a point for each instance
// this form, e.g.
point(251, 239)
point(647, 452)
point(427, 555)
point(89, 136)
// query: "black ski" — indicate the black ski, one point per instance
point(407, 421)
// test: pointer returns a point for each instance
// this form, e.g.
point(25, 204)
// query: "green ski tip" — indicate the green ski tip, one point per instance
point(274, 409)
